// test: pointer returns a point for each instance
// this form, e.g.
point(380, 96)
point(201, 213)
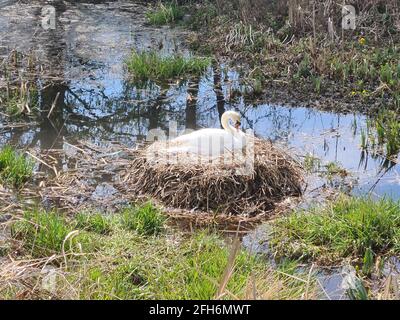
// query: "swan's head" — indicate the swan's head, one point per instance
point(236, 119)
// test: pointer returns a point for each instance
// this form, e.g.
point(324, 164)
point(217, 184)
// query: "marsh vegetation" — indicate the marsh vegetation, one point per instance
point(135, 255)
point(68, 207)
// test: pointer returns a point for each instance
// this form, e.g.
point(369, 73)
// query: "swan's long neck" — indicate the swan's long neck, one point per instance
point(225, 123)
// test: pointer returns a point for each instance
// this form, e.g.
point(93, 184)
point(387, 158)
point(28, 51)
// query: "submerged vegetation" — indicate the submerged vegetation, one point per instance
point(152, 66)
point(348, 227)
point(330, 170)
point(15, 168)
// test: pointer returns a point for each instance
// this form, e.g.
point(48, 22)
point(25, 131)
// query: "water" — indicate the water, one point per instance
point(97, 102)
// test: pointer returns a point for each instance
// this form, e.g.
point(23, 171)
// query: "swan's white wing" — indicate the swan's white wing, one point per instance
point(213, 142)
point(206, 142)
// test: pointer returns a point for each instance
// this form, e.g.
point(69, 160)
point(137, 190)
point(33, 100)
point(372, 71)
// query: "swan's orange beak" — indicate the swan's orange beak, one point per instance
point(237, 125)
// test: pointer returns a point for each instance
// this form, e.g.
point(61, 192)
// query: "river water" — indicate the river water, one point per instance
point(97, 102)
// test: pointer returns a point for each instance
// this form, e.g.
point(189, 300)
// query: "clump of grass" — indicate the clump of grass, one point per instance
point(317, 82)
point(304, 70)
point(254, 85)
point(15, 168)
point(145, 220)
point(348, 227)
point(93, 222)
point(146, 66)
point(42, 233)
point(165, 14)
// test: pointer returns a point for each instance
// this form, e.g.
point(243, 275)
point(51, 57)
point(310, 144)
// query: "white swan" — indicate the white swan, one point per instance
point(209, 143)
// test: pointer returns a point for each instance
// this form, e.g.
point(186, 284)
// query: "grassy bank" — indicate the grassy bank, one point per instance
point(353, 228)
point(135, 255)
point(301, 51)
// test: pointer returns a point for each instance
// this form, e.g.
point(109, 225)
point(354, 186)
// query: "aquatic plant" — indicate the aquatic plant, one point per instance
point(15, 168)
point(151, 66)
point(384, 134)
point(146, 219)
point(18, 89)
point(364, 139)
point(18, 100)
point(334, 169)
point(311, 163)
point(165, 14)
point(347, 227)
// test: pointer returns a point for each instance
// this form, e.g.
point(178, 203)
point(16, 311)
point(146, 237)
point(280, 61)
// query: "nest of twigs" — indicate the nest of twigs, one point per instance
point(228, 187)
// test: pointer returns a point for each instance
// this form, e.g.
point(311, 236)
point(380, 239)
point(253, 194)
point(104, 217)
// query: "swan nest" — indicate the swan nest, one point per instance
point(228, 185)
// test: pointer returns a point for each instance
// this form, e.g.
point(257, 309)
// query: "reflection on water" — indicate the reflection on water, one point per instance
point(96, 100)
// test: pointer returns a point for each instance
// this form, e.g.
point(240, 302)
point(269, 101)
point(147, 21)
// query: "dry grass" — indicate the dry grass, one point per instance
point(219, 186)
point(128, 266)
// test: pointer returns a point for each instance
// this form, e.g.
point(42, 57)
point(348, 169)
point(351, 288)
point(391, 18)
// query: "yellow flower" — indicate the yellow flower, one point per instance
point(353, 93)
point(362, 41)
